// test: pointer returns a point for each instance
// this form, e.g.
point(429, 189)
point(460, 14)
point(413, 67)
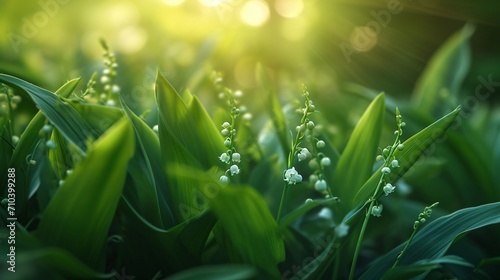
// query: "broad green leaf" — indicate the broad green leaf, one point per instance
point(57, 261)
point(148, 177)
point(184, 143)
point(27, 141)
point(414, 147)
point(316, 268)
point(209, 137)
point(356, 161)
point(99, 117)
point(80, 213)
point(434, 239)
point(444, 73)
point(410, 271)
point(183, 191)
point(57, 110)
point(188, 124)
point(174, 249)
point(216, 272)
point(250, 231)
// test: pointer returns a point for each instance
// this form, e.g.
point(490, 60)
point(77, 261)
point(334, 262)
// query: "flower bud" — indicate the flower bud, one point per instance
point(320, 185)
point(50, 144)
point(320, 144)
point(341, 230)
point(313, 164)
point(47, 128)
point(310, 125)
point(224, 179)
point(325, 161)
point(313, 178)
point(325, 213)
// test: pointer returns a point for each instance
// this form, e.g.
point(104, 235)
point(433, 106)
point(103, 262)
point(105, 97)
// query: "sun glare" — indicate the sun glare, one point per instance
point(289, 8)
point(255, 12)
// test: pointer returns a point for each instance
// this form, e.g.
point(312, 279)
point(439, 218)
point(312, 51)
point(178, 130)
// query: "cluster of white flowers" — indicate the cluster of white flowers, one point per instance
point(231, 156)
point(8, 101)
point(390, 163)
point(108, 78)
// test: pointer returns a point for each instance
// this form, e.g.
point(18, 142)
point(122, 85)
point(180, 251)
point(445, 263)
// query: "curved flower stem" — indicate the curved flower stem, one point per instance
point(295, 144)
point(373, 199)
point(406, 247)
point(363, 229)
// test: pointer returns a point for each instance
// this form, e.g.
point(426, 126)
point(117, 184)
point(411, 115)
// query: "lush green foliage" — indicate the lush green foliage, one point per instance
point(99, 191)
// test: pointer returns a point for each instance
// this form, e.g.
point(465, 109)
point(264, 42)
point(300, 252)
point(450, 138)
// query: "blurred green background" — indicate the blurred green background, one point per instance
point(380, 44)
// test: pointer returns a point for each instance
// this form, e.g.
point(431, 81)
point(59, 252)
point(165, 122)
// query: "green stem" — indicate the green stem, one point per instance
point(282, 201)
point(406, 247)
point(363, 229)
point(295, 144)
point(372, 202)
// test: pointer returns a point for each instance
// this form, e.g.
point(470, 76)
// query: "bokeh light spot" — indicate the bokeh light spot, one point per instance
point(289, 8)
point(255, 12)
point(131, 39)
